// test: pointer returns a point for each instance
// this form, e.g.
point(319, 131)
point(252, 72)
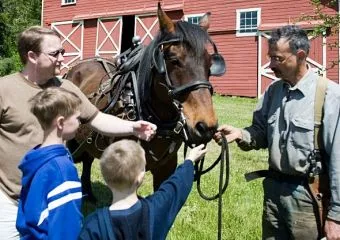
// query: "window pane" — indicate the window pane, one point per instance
point(194, 20)
point(248, 22)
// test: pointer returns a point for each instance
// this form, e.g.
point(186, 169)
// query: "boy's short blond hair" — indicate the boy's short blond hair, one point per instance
point(121, 163)
point(53, 102)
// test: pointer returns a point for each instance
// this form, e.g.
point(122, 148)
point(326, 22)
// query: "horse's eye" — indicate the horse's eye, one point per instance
point(174, 61)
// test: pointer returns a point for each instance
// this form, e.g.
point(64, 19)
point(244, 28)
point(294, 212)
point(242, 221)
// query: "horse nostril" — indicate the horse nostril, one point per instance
point(201, 127)
point(206, 133)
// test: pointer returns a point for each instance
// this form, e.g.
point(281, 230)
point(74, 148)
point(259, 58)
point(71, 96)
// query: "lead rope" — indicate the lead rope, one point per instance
point(222, 187)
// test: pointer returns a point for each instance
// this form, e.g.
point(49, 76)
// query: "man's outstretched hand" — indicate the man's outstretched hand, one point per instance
point(231, 133)
point(144, 130)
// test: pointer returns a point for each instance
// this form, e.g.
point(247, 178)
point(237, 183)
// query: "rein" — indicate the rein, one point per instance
point(224, 160)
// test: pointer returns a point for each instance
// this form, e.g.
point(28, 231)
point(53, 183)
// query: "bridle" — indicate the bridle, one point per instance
point(175, 92)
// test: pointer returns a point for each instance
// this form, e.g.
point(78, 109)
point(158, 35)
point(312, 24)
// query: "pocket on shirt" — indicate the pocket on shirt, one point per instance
point(302, 133)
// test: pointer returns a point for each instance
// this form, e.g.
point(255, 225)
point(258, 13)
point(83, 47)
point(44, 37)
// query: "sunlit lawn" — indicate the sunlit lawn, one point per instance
point(242, 202)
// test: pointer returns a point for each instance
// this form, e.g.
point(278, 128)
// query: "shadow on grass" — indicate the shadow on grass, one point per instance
point(103, 195)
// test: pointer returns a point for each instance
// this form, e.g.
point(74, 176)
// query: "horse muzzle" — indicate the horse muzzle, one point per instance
point(201, 133)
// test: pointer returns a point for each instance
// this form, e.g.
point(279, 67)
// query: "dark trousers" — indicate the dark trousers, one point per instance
point(288, 211)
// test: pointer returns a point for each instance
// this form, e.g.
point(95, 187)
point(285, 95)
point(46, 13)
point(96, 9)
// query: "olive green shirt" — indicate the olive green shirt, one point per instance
point(20, 130)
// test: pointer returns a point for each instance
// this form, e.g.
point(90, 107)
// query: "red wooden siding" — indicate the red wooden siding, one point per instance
point(332, 56)
point(241, 53)
point(90, 31)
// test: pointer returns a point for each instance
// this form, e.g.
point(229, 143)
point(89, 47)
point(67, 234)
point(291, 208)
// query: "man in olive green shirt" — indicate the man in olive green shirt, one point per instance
point(41, 52)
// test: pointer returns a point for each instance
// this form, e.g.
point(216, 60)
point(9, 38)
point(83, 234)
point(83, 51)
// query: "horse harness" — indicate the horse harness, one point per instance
point(120, 93)
point(127, 73)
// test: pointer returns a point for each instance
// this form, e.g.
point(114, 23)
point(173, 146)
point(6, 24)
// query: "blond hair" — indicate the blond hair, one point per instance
point(53, 102)
point(121, 163)
point(30, 40)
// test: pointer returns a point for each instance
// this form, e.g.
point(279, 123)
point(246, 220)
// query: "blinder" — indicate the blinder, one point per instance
point(217, 68)
point(158, 56)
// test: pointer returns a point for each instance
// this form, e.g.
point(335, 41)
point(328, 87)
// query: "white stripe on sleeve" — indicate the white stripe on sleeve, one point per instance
point(63, 187)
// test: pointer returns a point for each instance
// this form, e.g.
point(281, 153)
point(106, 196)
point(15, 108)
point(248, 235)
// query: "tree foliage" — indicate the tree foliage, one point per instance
point(15, 16)
point(329, 22)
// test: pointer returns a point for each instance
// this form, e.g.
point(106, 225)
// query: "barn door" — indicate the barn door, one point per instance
point(146, 26)
point(316, 59)
point(72, 40)
point(108, 42)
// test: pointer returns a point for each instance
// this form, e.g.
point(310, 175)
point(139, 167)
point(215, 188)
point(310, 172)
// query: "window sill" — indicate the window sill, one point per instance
point(68, 4)
point(251, 34)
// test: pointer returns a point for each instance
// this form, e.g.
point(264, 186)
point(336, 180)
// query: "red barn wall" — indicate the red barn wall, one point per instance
point(241, 53)
point(90, 31)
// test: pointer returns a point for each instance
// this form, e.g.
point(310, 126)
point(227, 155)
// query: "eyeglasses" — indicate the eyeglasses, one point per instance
point(278, 59)
point(56, 53)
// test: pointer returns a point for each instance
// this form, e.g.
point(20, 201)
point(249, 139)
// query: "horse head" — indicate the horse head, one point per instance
point(180, 89)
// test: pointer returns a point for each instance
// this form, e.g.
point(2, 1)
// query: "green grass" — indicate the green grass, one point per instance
point(242, 202)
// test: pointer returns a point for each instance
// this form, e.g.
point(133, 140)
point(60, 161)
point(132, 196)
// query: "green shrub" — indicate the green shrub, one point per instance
point(9, 65)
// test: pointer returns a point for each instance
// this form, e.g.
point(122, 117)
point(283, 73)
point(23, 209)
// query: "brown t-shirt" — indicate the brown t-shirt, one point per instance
point(20, 130)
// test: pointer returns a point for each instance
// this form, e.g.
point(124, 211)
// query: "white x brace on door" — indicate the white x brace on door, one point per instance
point(72, 40)
point(109, 34)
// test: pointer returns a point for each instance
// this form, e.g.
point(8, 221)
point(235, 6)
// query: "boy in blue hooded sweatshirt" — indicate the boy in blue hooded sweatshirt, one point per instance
point(50, 200)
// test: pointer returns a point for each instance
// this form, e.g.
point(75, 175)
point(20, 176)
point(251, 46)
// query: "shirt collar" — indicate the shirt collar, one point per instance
point(305, 83)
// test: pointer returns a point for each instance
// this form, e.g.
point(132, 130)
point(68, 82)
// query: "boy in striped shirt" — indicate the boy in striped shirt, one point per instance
point(50, 199)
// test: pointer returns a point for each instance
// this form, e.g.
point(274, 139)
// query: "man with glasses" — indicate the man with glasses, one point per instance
point(41, 52)
point(283, 122)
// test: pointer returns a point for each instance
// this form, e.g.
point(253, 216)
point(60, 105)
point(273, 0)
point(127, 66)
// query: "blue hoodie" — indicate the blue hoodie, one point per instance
point(50, 199)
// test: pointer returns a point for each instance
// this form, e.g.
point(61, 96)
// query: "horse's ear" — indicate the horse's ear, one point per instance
point(205, 21)
point(165, 23)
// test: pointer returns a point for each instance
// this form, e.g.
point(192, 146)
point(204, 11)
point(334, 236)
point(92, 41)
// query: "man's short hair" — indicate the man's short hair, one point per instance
point(297, 37)
point(121, 163)
point(30, 40)
point(53, 102)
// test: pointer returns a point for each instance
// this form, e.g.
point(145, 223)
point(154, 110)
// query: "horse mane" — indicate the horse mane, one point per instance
point(192, 35)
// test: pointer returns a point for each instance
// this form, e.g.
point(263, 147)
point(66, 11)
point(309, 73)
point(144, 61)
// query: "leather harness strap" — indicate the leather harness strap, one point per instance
point(318, 111)
point(318, 180)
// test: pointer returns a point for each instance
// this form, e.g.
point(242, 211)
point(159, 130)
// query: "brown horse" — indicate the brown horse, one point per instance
point(167, 84)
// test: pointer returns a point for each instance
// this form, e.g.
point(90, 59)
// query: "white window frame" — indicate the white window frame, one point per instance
point(63, 2)
point(238, 21)
point(186, 17)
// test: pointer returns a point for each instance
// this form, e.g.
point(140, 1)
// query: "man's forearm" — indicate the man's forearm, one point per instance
point(110, 125)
